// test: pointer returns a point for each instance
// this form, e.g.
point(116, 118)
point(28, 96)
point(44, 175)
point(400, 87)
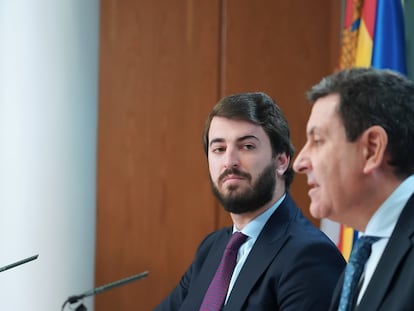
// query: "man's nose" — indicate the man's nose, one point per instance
point(231, 158)
point(301, 163)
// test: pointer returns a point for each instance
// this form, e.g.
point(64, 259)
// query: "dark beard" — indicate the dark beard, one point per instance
point(252, 199)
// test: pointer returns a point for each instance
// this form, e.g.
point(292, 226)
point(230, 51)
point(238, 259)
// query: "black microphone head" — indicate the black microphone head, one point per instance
point(75, 298)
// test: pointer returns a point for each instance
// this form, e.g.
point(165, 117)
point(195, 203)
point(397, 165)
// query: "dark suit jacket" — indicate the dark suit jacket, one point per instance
point(292, 266)
point(392, 285)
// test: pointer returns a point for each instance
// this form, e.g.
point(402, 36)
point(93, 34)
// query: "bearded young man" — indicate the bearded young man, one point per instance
point(284, 263)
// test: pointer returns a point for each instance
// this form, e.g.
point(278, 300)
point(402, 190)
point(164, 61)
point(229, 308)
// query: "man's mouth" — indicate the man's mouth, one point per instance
point(232, 174)
point(313, 186)
point(232, 177)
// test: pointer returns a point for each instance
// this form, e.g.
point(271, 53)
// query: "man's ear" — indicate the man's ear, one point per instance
point(282, 163)
point(375, 141)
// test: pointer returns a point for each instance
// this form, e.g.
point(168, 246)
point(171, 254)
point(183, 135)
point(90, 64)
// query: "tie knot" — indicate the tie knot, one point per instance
point(236, 240)
point(366, 241)
point(362, 248)
point(369, 239)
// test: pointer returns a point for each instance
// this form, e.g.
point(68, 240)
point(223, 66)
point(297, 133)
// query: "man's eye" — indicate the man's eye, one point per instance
point(317, 141)
point(218, 149)
point(248, 147)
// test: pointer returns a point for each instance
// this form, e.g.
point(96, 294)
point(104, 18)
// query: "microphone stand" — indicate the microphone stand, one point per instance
point(18, 263)
point(75, 298)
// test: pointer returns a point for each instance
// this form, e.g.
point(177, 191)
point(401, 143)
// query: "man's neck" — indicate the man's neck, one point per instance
point(241, 220)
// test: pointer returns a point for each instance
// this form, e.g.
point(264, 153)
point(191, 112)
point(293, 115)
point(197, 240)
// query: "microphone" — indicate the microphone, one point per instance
point(18, 263)
point(100, 289)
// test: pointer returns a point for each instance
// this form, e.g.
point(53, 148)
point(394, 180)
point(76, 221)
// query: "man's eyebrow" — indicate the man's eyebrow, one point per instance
point(312, 131)
point(245, 137)
point(216, 140)
point(240, 139)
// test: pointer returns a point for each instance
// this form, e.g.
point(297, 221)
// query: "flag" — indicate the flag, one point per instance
point(373, 36)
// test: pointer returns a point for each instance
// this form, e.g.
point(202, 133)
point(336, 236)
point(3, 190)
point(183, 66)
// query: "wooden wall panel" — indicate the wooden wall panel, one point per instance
point(158, 81)
point(281, 48)
point(163, 65)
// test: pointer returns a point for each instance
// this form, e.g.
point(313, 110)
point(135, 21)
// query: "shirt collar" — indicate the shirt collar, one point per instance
point(383, 222)
point(255, 226)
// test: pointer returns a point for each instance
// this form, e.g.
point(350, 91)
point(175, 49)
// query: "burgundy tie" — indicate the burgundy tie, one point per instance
point(216, 292)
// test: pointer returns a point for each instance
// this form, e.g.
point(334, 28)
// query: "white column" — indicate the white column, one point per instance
point(48, 130)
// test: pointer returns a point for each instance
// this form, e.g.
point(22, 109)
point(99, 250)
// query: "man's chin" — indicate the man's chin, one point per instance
point(317, 211)
point(233, 192)
point(232, 187)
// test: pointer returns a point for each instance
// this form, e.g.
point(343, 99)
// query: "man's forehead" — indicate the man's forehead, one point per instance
point(324, 115)
point(234, 129)
point(219, 124)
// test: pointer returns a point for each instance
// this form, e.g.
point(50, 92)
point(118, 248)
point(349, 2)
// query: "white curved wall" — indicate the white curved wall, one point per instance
point(48, 129)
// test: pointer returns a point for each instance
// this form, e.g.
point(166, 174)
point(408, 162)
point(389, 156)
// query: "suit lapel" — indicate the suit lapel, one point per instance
point(337, 293)
point(397, 247)
point(267, 246)
point(209, 267)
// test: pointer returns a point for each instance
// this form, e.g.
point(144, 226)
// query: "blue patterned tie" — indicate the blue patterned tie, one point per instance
point(216, 292)
point(353, 271)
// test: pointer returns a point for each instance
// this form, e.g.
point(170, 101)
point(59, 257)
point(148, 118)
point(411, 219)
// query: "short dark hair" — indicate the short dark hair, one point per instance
point(368, 97)
point(260, 109)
